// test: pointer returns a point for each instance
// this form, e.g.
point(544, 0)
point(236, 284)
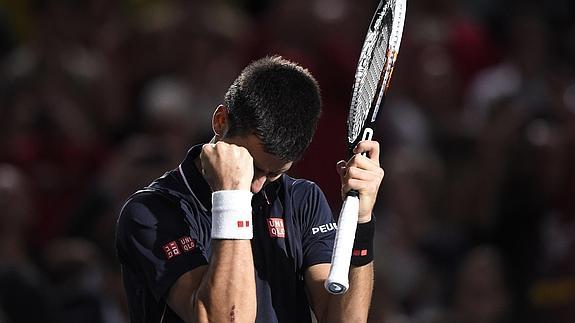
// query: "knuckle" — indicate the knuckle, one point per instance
point(351, 172)
point(243, 150)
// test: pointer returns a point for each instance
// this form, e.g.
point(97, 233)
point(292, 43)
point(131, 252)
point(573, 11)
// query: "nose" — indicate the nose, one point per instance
point(257, 183)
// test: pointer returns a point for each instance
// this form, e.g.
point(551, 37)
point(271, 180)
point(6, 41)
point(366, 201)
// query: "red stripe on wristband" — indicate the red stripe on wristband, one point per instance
point(362, 253)
point(242, 224)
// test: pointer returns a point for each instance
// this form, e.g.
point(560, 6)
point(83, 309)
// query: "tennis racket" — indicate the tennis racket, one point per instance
point(372, 79)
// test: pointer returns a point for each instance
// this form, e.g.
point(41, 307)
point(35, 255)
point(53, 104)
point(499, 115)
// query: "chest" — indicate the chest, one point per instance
point(278, 261)
point(277, 242)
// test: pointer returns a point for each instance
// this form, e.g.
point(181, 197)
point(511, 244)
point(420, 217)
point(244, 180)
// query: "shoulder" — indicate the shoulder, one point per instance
point(304, 193)
point(147, 208)
point(300, 185)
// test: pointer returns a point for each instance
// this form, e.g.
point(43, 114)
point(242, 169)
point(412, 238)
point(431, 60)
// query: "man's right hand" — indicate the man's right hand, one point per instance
point(227, 166)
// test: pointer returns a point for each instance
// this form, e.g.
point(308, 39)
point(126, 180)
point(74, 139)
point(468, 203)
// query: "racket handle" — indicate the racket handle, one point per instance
point(338, 281)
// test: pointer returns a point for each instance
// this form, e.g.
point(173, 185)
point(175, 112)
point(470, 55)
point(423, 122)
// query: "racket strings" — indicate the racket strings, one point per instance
point(369, 78)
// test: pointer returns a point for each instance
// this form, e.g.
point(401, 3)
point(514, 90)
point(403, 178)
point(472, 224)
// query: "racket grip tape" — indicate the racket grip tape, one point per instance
point(338, 281)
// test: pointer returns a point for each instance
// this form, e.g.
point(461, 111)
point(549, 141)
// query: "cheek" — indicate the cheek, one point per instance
point(271, 179)
point(257, 184)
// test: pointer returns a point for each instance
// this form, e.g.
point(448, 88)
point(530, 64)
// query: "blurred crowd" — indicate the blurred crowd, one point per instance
point(476, 216)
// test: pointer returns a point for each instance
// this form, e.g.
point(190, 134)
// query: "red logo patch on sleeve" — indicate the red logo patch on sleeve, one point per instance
point(276, 228)
point(171, 250)
point(188, 244)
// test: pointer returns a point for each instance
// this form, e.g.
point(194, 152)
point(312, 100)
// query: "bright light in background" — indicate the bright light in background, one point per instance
point(330, 10)
point(539, 133)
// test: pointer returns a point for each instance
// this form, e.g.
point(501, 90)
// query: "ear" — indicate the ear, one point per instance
point(220, 122)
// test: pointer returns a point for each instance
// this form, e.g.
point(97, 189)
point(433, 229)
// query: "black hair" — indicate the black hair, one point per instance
point(278, 101)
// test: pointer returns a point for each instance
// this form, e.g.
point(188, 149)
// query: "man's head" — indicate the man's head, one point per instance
point(279, 102)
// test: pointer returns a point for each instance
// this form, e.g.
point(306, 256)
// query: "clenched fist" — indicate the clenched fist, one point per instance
point(227, 166)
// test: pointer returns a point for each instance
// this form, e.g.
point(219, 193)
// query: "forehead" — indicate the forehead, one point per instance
point(267, 162)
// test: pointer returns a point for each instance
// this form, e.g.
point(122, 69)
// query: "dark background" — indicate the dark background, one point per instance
point(476, 218)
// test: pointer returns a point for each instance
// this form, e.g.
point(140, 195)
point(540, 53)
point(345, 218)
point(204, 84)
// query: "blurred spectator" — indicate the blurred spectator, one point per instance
point(480, 293)
point(79, 291)
point(134, 165)
point(552, 291)
point(20, 278)
point(410, 285)
point(15, 218)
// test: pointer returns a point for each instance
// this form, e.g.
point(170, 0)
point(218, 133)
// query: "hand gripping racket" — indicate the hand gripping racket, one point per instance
point(372, 79)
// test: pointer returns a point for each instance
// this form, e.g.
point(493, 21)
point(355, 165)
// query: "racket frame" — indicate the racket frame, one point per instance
point(338, 281)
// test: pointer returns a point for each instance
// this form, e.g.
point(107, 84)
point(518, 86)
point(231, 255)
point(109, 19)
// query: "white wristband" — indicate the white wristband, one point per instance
point(232, 215)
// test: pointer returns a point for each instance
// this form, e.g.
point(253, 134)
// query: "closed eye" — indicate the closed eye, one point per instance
point(271, 175)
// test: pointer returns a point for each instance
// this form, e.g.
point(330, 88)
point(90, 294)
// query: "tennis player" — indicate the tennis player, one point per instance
point(229, 237)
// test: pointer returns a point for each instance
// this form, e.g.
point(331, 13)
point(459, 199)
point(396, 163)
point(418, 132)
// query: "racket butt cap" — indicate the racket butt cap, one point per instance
point(335, 288)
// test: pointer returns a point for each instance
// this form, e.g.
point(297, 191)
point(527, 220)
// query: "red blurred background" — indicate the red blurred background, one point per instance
point(476, 218)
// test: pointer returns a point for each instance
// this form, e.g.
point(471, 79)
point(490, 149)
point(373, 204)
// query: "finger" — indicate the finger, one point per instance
point(340, 168)
point(207, 149)
point(363, 162)
point(369, 147)
point(363, 186)
point(354, 184)
point(204, 152)
point(363, 174)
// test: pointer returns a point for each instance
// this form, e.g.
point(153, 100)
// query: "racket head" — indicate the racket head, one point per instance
point(374, 69)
